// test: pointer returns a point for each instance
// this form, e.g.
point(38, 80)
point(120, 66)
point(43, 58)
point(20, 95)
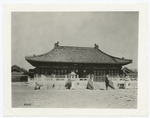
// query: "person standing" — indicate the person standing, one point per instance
point(68, 84)
point(107, 82)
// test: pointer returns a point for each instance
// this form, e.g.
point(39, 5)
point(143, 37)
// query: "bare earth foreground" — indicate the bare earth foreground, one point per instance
point(26, 97)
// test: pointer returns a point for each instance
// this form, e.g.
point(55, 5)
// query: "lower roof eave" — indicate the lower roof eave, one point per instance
point(33, 61)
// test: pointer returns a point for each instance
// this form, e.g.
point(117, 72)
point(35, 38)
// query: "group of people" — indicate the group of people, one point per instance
point(107, 82)
point(69, 84)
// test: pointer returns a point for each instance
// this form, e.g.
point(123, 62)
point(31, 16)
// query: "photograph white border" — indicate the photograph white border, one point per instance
point(142, 106)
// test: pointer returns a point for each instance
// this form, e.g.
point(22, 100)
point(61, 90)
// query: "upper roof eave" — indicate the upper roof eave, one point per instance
point(130, 61)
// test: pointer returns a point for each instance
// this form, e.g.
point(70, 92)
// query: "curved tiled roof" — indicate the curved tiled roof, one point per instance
point(18, 68)
point(77, 55)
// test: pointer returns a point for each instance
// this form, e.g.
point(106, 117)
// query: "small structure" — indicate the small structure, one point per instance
point(130, 73)
point(73, 75)
point(19, 74)
point(31, 73)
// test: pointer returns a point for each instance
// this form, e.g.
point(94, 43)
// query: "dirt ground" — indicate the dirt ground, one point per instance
point(26, 97)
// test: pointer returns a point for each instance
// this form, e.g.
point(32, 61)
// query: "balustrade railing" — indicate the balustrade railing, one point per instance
point(95, 78)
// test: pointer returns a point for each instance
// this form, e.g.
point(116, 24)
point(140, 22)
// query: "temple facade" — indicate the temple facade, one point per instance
point(85, 62)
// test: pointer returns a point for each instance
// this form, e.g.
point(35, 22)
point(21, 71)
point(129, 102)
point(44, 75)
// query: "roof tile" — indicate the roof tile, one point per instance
point(77, 55)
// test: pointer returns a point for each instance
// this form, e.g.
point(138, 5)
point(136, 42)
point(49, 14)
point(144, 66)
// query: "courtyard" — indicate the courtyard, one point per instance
point(26, 97)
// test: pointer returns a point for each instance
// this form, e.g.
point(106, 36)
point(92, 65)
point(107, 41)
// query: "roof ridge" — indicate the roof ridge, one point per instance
point(114, 56)
point(73, 47)
point(18, 67)
point(34, 55)
point(58, 48)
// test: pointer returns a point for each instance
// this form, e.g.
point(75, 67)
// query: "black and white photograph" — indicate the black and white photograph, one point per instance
point(74, 59)
point(88, 60)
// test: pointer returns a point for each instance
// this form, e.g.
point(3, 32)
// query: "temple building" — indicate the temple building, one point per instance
point(18, 74)
point(83, 61)
point(130, 73)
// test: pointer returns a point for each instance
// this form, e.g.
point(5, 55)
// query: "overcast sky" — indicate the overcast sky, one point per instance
point(116, 33)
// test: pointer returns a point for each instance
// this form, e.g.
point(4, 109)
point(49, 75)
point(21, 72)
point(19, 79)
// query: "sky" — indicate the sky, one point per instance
point(116, 33)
